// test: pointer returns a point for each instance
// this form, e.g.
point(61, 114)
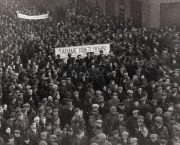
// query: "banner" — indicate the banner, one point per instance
point(82, 50)
point(36, 17)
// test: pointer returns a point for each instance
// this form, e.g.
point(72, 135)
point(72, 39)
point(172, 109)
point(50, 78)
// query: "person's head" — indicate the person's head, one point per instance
point(140, 120)
point(125, 135)
point(57, 121)
point(113, 110)
point(130, 92)
point(121, 117)
point(133, 141)
point(43, 135)
point(37, 119)
point(163, 95)
point(33, 125)
point(70, 131)
point(119, 89)
point(26, 139)
point(63, 82)
point(144, 132)
point(48, 126)
point(159, 111)
point(55, 112)
point(17, 133)
point(8, 130)
point(153, 137)
point(76, 94)
point(42, 142)
point(101, 137)
point(170, 110)
point(68, 80)
point(159, 121)
point(98, 123)
point(52, 138)
point(163, 142)
point(154, 101)
point(64, 131)
point(20, 116)
point(135, 113)
point(43, 120)
point(136, 103)
point(115, 133)
point(11, 139)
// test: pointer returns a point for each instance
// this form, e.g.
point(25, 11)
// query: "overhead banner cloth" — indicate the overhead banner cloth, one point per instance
point(82, 50)
point(35, 17)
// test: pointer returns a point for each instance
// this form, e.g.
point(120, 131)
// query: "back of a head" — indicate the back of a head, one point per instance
point(42, 142)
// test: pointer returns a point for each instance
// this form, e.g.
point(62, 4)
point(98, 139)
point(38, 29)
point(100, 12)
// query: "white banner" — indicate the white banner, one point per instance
point(82, 50)
point(36, 17)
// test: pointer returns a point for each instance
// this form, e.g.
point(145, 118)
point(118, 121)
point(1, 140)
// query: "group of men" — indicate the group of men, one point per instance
point(129, 97)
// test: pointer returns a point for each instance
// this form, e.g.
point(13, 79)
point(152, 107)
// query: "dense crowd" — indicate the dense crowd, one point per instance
point(129, 97)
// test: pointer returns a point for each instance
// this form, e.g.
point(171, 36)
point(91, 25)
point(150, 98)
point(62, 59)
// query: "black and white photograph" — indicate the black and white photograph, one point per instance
point(89, 72)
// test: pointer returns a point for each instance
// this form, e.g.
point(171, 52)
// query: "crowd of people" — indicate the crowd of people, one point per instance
point(129, 97)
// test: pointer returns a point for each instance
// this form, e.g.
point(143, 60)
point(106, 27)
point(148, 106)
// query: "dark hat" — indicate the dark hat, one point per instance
point(133, 140)
point(135, 111)
point(76, 92)
point(55, 110)
point(76, 110)
point(121, 115)
point(53, 136)
point(44, 133)
point(63, 81)
point(68, 78)
point(17, 131)
point(121, 104)
point(153, 136)
point(26, 105)
point(18, 109)
point(163, 141)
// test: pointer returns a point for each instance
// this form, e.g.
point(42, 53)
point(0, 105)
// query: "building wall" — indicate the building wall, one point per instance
point(169, 14)
point(157, 13)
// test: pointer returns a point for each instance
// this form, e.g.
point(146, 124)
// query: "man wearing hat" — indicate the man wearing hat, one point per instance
point(69, 84)
point(10, 140)
point(111, 119)
point(140, 124)
point(133, 141)
point(143, 136)
point(114, 101)
point(103, 107)
point(26, 140)
point(163, 142)
point(101, 139)
point(114, 139)
point(67, 113)
point(153, 139)
point(52, 139)
point(160, 129)
point(163, 101)
point(10, 121)
point(17, 137)
point(132, 122)
point(21, 123)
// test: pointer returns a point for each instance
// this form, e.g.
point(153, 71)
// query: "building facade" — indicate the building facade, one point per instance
point(148, 13)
